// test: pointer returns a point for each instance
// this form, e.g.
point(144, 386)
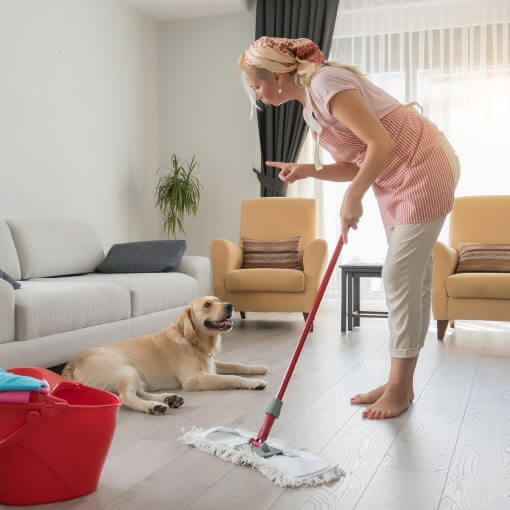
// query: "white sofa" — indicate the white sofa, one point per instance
point(64, 307)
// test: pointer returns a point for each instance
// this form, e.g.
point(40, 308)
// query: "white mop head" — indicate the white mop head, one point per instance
point(295, 468)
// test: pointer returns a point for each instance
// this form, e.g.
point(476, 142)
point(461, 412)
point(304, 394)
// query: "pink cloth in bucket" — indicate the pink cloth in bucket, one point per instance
point(14, 397)
point(21, 396)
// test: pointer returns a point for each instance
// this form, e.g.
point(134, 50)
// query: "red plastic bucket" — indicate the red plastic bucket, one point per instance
point(54, 447)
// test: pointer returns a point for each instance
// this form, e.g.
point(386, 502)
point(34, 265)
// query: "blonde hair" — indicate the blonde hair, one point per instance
point(301, 75)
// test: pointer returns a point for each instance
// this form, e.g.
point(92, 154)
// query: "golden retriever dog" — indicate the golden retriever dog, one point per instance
point(178, 356)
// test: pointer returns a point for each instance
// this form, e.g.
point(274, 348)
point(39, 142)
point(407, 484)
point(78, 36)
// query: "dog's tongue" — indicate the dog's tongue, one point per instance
point(225, 323)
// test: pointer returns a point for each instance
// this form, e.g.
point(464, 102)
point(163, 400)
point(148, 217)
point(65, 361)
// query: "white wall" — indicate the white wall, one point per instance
point(204, 111)
point(79, 114)
point(95, 96)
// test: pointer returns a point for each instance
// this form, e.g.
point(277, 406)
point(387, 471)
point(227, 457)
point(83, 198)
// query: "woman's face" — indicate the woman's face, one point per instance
point(265, 91)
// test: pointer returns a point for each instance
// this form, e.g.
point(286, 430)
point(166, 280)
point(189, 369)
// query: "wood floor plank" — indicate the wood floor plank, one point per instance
point(428, 438)
point(393, 488)
point(177, 485)
point(479, 477)
point(492, 384)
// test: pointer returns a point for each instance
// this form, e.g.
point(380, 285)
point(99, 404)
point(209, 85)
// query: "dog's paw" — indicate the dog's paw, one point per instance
point(158, 409)
point(174, 401)
point(258, 384)
point(259, 370)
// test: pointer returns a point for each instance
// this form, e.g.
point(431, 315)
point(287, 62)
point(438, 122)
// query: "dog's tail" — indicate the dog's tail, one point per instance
point(68, 371)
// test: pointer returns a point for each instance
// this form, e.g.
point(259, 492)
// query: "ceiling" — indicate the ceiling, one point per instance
point(162, 10)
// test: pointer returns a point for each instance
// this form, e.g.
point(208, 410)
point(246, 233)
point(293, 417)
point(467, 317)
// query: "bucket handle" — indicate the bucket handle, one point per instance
point(33, 418)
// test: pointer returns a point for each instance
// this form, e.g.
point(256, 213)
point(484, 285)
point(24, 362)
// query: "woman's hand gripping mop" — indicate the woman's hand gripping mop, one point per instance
point(284, 466)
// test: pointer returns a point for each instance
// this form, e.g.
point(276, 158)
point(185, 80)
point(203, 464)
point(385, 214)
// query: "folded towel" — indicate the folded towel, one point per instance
point(13, 382)
point(14, 397)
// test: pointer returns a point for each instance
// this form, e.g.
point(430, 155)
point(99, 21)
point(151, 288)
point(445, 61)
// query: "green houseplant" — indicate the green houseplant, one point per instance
point(177, 193)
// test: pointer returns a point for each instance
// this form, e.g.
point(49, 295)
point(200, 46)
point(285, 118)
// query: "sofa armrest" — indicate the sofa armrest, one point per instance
point(225, 257)
point(445, 262)
point(198, 268)
point(7, 319)
point(314, 259)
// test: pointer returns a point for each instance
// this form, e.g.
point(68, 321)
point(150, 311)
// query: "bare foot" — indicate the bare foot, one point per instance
point(394, 401)
point(372, 396)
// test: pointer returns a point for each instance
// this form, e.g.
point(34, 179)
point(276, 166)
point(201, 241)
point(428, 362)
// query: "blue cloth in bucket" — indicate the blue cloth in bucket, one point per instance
point(14, 382)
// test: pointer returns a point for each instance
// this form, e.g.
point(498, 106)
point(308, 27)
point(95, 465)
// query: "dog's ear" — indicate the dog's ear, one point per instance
point(185, 324)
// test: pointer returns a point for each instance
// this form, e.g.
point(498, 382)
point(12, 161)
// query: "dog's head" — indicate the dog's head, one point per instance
point(205, 317)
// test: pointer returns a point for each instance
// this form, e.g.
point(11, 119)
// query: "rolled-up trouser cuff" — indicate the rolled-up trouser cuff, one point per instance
point(405, 353)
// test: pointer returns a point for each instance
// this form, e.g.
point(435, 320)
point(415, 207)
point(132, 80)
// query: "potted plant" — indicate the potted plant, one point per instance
point(177, 194)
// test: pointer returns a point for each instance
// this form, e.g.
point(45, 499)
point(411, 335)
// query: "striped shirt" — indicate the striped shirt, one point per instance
point(417, 185)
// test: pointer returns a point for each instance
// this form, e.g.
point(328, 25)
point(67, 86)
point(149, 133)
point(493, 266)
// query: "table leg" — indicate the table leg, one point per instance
point(343, 304)
point(349, 302)
point(356, 300)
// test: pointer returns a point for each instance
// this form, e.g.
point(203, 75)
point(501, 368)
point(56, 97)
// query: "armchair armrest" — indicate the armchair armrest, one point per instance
point(314, 259)
point(445, 262)
point(198, 268)
point(7, 319)
point(225, 256)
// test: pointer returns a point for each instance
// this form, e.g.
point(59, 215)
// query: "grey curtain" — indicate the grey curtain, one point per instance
point(282, 129)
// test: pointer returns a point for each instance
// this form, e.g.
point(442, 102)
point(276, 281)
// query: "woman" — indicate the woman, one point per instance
point(375, 141)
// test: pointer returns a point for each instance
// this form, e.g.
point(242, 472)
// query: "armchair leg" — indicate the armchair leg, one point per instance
point(441, 329)
point(243, 315)
point(305, 315)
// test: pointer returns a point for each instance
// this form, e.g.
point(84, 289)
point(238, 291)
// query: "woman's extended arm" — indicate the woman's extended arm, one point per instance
point(339, 171)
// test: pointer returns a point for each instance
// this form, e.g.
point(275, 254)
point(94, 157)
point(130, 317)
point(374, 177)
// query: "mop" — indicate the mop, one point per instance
point(285, 466)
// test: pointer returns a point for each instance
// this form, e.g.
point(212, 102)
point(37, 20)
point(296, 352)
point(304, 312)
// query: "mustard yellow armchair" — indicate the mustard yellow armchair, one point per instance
point(475, 296)
point(271, 289)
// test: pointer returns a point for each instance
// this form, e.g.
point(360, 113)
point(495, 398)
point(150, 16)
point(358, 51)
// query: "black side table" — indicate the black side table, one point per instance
point(351, 313)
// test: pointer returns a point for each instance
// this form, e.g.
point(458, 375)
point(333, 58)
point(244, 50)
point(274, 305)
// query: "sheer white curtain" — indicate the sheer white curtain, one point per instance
point(452, 57)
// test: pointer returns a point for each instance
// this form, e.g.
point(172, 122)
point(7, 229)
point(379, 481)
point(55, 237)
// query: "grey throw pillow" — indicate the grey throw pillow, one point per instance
point(7, 278)
point(143, 257)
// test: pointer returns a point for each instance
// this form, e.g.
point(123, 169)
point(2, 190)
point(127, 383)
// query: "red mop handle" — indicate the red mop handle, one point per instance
point(270, 418)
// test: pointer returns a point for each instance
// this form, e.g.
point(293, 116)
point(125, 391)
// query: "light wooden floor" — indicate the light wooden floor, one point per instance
point(451, 450)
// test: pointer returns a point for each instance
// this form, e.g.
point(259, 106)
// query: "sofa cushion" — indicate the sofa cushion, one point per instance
point(54, 247)
point(483, 258)
point(150, 292)
point(49, 306)
point(479, 285)
point(265, 280)
point(9, 261)
point(276, 253)
point(143, 257)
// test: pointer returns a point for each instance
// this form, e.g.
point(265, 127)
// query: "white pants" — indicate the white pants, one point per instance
point(407, 277)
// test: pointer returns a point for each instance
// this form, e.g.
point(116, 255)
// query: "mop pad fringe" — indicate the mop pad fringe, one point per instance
point(194, 437)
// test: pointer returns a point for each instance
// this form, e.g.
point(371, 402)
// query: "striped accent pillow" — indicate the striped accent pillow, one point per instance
point(277, 253)
point(484, 258)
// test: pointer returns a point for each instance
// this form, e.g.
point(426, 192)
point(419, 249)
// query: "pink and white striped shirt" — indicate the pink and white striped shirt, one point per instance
point(417, 185)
